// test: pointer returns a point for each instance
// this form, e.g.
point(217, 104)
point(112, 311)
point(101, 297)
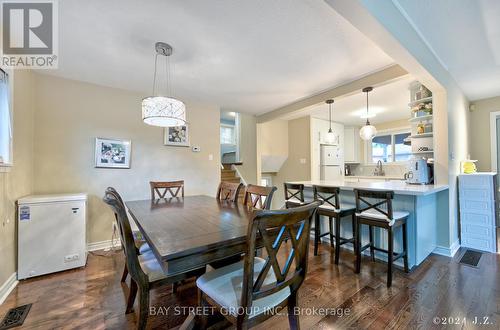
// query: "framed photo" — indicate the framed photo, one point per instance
point(176, 136)
point(110, 153)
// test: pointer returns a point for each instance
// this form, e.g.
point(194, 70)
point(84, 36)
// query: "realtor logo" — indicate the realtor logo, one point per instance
point(29, 37)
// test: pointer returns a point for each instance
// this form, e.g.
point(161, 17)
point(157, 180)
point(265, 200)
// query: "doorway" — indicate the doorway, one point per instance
point(229, 137)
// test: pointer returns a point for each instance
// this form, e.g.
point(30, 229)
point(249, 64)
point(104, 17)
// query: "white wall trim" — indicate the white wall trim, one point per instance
point(493, 139)
point(102, 245)
point(447, 251)
point(8, 286)
point(234, 167)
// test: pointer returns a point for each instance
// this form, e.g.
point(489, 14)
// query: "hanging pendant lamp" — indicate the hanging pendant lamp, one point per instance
point(368, 131)
point(330, 136)
point(163, 110)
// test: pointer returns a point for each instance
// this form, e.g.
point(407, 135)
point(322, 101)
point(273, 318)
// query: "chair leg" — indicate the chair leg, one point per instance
point(390, 256)
point(293, 318)
point(131, 297)
point(405, 247)
point(175, 286)
point(125, 273)
point(203, 318)
point(337, 240)
point(357, 243)
point(330, 224)
point(372, 250)
point(316, 234)
point(143, 307)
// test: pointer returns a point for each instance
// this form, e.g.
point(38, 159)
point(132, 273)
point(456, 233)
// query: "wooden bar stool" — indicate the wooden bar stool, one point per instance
point(331, 208)
point(294, 195)
point(374, 208)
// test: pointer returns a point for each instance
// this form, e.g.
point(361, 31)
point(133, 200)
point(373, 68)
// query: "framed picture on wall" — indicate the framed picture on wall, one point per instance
point(111, 153)
point(176, 136)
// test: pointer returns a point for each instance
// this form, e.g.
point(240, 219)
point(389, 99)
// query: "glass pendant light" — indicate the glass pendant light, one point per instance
point(163, 110)
point(368, 131)
point(330, 136)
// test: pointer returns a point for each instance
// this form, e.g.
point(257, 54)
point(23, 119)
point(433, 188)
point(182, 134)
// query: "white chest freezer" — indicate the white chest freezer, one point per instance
point(51, 234)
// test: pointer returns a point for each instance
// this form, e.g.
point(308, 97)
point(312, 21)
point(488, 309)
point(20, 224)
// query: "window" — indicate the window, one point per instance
point(227, 134)
point(390, 147)
point(266, 181)
point(5, 120)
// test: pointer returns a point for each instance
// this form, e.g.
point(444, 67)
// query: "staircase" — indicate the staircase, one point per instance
point(229, 175)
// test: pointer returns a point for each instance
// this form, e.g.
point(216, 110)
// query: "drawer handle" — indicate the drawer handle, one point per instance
point(75, 209)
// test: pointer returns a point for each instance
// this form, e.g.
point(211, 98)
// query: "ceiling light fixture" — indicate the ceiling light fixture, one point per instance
point(160, 110)
point(368, 131)
point(330, 136)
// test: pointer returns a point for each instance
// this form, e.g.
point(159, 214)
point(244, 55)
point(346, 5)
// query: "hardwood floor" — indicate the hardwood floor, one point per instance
point(93, 298)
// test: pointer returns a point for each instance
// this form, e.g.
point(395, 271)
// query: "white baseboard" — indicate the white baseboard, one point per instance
point(7, 287)
point(102, 245)
point(447, 251)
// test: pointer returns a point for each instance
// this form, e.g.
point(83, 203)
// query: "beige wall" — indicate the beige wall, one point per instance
point(248, 148)
point(480, 128)
point(70, 114)
point(395, 124)
point(18, 181)
point(299, 146)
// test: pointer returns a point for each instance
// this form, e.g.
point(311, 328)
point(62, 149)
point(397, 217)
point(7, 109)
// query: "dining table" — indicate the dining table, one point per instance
point(187, 233)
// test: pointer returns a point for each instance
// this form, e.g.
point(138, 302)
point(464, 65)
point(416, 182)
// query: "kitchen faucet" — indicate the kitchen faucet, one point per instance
point(379, 170)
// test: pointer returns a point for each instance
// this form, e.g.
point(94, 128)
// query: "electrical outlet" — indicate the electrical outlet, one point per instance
point(71, 257)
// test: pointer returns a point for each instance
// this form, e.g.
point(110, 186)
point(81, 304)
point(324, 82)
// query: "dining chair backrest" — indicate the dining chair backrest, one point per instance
point(378, 200)
point(166, 189)
point(329, 196)
point(274, 227)
point(229, 191)
point(294, 191)
point(131, 254)
point(115, 193)
point(259, 197)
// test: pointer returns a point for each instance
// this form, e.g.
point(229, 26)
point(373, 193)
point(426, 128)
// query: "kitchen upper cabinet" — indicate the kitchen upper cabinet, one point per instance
point(352, 145)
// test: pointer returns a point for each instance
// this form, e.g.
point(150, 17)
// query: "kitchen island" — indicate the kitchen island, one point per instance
point(427, 205)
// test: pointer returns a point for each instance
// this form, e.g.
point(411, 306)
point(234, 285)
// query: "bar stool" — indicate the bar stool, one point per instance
point(331, 208)
point(374, 208)
point(294, 195)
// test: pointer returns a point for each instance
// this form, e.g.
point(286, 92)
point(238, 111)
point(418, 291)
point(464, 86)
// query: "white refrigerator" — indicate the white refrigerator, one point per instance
point(330, 162)
point(51, 234)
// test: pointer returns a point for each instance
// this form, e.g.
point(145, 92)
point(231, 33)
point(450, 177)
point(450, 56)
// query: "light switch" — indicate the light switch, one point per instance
point(303, 160)
point(210, 157)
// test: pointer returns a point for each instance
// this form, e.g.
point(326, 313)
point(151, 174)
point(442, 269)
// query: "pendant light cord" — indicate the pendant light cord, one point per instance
point(330, 117)
point(367, 120)
point(154, 76)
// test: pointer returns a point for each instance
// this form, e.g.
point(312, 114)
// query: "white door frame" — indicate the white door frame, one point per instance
point(493, 139)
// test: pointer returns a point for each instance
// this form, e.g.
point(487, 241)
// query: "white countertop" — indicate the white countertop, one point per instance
point(373, 177)
point(399, 187)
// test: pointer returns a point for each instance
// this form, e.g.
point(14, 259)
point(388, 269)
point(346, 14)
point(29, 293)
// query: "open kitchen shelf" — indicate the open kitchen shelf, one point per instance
point(423, 135)
point(424, 100)
point(422, 118)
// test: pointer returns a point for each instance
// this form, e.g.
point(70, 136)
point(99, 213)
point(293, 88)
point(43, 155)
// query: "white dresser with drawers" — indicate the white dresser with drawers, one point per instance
point(478, 211)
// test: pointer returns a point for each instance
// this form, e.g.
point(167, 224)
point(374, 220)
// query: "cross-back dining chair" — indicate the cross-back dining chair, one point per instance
point(166, 189)
point(145, 270)
point(229, 191)
point(259, 197)
point(294, 194)
point(140, 244)
point(255, 289)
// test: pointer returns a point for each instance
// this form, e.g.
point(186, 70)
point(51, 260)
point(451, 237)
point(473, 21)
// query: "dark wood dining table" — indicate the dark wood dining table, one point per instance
point(187, 233)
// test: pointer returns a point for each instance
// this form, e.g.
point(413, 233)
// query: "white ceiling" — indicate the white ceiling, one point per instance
point(465, 36)
point(249, 56)
point(388, 102)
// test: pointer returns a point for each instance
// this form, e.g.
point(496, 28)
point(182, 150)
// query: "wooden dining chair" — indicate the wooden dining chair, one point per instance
point(259, 197)
point(294, 194)
point(166, 189)
point(140, 244)
point(228, 191)
point(374, 208)
point(254, 289)
point(145, 270)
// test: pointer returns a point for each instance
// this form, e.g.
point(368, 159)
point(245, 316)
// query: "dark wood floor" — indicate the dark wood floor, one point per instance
point(93, 298)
